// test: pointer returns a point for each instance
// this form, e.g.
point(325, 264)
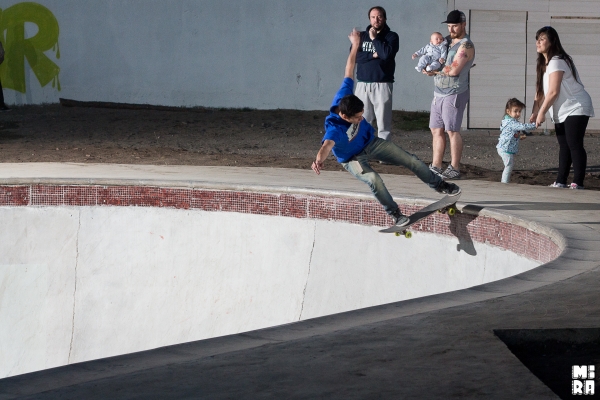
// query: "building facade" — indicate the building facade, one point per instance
point(269, 54)
point(504, 37)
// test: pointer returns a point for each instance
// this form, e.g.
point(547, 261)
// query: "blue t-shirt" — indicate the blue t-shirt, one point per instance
point(350, 139)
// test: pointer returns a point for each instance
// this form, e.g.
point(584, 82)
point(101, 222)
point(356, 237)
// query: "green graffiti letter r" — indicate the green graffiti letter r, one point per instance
point(17, 48)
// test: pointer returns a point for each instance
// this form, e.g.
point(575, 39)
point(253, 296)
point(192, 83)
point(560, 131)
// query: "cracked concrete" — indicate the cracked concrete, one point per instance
point(75, 286)
point(308, 272)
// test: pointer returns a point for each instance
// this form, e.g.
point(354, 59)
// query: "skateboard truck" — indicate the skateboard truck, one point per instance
point(446, 205)
point(450, 210)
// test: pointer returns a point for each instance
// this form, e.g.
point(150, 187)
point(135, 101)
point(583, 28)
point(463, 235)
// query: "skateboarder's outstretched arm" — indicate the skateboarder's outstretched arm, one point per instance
point(354, 37)
point(322, 155)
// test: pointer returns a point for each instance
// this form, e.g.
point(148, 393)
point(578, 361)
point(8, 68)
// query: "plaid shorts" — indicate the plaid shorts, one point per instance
point(447, 112)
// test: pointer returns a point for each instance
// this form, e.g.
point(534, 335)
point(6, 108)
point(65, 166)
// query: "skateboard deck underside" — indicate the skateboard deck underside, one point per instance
point(424, 212)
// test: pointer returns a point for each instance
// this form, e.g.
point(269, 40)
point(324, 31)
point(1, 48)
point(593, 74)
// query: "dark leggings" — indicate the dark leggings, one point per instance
point(570, 139)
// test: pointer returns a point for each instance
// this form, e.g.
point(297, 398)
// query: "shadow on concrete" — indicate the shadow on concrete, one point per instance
point(589, 169)
point(458, 227)
point(550, 354)
point(530, 205)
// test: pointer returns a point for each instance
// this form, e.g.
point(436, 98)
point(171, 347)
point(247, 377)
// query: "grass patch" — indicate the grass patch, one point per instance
point(410, 120)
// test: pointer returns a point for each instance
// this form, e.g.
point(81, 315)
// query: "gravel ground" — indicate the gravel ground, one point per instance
point(265, 138)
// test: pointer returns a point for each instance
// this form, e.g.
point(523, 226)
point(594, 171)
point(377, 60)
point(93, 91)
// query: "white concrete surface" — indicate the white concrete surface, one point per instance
point(81, 283)
point(38, 263)
point(263, 54)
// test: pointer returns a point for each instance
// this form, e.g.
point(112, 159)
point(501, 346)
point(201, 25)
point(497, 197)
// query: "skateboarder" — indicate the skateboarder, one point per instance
point(354, 144)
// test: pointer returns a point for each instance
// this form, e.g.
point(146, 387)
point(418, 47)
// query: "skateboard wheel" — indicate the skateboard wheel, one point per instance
point(451, 211)
point(397, 233)
point(408, 234)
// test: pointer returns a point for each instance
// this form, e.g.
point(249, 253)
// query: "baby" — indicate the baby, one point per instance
point(433, 55)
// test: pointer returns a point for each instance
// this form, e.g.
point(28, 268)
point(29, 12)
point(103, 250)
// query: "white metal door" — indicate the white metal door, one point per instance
point(500, 39)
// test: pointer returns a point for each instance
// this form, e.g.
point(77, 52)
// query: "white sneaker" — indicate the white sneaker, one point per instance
point(575, 186)
point(558, 185)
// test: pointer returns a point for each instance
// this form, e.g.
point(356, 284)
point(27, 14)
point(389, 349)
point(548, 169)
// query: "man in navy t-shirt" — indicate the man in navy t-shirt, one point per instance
point(354, 144)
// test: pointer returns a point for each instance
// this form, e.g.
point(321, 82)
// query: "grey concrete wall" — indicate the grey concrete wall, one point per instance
point(261, 54)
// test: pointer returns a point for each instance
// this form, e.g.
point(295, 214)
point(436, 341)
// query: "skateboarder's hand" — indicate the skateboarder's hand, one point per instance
point(354, 37)
point(317, 167)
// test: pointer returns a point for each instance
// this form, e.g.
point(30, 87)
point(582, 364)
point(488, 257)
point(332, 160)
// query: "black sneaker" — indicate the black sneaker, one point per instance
point(399, 218)
point(449, 188)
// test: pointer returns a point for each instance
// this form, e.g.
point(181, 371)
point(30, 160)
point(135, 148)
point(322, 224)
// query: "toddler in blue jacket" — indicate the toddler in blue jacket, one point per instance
point(508, 142)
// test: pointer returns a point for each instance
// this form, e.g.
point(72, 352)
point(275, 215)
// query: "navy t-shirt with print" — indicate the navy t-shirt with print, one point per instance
point(350, 139)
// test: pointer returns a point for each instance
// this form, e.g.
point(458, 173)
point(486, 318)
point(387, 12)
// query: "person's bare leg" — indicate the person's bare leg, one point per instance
point(439, 146)
point(456, 148)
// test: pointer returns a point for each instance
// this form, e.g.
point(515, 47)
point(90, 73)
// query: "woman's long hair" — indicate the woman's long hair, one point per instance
point(555, 50)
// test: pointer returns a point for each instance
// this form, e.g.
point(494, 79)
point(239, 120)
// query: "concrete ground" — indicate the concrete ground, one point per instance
point(442, 346)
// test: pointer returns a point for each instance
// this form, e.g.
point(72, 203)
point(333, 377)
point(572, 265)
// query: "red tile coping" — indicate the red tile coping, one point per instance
point(364, 212)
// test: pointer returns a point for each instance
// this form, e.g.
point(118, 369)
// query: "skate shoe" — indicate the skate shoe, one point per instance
point(448, 188)
point(575, 186)
point(451, 173)
point(558, 185)
point(399, 218)
point(436, 171)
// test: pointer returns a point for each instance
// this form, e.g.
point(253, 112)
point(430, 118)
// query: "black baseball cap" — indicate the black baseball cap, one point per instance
point(455, 17)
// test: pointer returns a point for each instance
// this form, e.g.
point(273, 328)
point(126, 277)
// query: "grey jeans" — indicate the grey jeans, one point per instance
point(388, 152)
point(377, 98)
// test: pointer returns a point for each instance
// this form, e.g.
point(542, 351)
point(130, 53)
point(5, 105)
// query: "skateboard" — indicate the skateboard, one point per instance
point(445, 205)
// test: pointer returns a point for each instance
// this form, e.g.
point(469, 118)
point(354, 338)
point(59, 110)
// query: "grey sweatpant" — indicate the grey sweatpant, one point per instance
point(377, 97)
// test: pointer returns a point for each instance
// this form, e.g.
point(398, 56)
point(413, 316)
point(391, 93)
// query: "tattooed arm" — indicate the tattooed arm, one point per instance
point(466, 52)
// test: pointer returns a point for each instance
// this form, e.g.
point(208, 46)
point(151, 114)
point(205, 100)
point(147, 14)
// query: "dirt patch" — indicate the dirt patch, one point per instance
point(247, 138)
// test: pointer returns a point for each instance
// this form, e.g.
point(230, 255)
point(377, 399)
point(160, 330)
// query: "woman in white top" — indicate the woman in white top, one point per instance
point(560, 91)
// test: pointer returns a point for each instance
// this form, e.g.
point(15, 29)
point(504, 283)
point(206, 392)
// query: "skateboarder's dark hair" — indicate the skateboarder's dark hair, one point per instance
point(351, 105)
